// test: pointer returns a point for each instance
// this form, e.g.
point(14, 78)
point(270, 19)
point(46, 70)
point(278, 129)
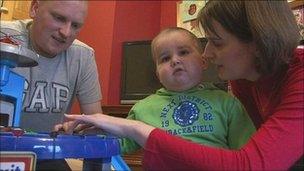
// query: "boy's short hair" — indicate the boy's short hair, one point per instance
point(197, 42)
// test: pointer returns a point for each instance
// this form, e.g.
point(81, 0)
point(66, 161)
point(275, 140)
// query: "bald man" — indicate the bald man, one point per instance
point(66, 70)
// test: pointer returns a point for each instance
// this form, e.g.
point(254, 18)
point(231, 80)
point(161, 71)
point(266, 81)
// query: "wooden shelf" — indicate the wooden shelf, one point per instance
point(117, 110)
point(296, 4)
point(133, 160)
point(15, 10)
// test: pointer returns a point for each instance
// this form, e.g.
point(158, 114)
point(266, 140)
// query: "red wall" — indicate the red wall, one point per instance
point(168, 14)
point(133, 21)
point(110, 23)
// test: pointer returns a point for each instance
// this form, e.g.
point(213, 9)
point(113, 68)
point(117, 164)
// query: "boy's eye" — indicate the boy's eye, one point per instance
point(164, 59)
point(184, 52)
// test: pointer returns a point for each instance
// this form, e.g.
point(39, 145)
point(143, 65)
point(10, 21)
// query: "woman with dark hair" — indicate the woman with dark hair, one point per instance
point(253, 44)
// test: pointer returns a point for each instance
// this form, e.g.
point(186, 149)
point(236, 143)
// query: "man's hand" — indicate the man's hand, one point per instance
point(120, 127)
point(76, 126)
point(66, 127)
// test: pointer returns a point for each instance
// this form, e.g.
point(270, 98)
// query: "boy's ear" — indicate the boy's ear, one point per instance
point(204, 62)
point(156, 73)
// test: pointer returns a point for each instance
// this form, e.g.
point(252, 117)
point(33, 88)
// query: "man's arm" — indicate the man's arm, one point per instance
point(91, 108)
point(87, 109)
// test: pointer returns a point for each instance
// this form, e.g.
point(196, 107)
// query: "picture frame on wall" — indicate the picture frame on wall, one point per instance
point(299, 16)
point(187, 12)
point(297, 7)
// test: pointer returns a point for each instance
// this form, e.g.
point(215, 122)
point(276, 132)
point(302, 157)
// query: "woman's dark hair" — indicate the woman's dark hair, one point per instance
point(269, 24)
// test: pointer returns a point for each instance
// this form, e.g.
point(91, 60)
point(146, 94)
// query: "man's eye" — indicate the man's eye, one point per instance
point(59, 18)
point(76, 26)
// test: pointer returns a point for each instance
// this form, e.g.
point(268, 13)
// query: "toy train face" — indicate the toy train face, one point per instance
point(6, 113)
point(4, 119)
point(11, 88)
point(11, 83)
point(11, 98)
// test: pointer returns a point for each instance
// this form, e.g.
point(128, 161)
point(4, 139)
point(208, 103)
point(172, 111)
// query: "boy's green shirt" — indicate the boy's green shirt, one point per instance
point(204, 114)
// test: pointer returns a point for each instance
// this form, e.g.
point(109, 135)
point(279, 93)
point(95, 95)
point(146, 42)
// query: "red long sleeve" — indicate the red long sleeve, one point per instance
point(276, 145)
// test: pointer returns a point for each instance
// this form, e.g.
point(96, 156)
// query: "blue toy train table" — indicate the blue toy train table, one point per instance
point(104, 149)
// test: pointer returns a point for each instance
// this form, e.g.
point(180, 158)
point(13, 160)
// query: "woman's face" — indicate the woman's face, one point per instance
point(234, 59)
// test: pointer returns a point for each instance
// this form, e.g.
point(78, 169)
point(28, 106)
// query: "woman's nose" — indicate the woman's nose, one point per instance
point(207, 52)
point(206, 56)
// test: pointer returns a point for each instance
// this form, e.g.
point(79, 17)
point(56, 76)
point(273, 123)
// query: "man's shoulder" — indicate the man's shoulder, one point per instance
point(16, 25)
point(77, 44)
point(80, 50)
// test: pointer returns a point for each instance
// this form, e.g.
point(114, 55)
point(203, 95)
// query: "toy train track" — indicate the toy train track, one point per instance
point(61, 146)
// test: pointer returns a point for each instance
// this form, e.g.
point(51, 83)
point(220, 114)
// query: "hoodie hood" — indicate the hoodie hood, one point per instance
point(202, 86)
